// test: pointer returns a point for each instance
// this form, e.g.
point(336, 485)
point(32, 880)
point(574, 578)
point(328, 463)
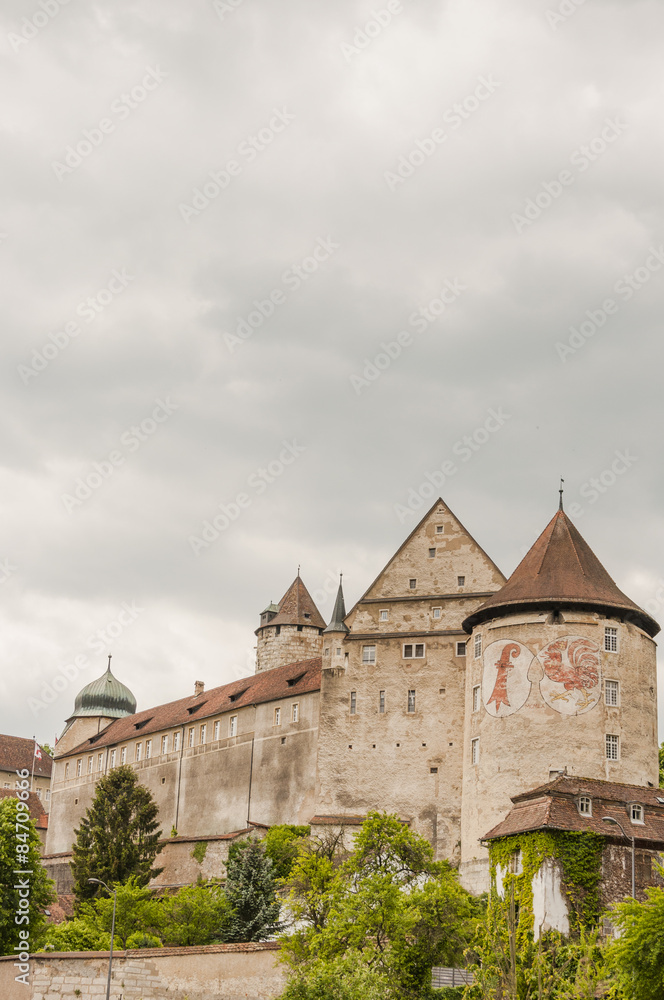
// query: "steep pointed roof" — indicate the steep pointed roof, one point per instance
point(561, 570)
point(337, 623)
point(296, 607)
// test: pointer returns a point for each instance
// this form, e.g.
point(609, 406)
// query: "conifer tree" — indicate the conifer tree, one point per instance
point(25, 889)
point(118, 836)
point(250, 891)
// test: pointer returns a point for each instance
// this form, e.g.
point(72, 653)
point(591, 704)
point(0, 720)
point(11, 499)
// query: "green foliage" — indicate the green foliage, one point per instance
point(20, 850)
point(251, 893)
point(386, 914)
point(139, 939)
point(118, 836)
point(282, 844)
point(74, 935)
point(136, 911)
point(195, 915)
point(661, 765)
point(199, 851)
point(636, 958)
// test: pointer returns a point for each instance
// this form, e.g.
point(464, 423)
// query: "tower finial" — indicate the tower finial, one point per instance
point(560, 504)
point(109, 661)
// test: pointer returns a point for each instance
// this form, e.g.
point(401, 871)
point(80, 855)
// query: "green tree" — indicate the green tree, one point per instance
point(251, 893)
point(195, 915)
point(282, 844)
point(23, 896)
point(118, 836)
point(636, 958)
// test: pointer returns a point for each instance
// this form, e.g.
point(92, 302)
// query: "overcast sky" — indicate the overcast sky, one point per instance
point(350, 244)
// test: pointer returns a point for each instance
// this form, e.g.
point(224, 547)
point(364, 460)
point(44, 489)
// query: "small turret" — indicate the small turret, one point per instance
point(289, 631)
point(336, 632)
point(98, 703)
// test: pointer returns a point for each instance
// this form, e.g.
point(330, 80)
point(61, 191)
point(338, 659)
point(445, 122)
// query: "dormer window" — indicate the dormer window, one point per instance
point(636, 812)
point(586, 805)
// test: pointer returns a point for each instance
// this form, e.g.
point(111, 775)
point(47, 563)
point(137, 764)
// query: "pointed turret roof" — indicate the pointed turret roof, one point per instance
point(296, 607)
point(337, 623)
point(561, 570)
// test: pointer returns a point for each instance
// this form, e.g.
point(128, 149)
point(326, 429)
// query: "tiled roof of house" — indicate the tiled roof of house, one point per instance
point(17, 753)
point(34, 805)
point(297, 607)
point(287, 681)
point(561, 570)
point(555, 806)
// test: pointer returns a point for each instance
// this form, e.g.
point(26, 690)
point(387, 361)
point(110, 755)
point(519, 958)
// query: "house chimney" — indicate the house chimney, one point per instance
point(199, 688)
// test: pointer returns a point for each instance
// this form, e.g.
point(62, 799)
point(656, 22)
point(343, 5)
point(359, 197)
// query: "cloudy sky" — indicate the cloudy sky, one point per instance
point(283, 265)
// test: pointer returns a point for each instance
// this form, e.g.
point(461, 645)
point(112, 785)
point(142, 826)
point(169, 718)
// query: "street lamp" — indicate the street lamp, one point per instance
point(98, 881)
point(627, 836)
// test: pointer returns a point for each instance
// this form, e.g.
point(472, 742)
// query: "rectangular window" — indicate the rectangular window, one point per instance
point(432, 553)
point(192, 733)
point(203, 733)
point(137, 753)
point(461, 581)
point(413, 650)
point(585, 805)
point(232, 726)
point(460, 649)
point(112, 760)
point(353, 702)
point(368, 654)
point(411, 701)
point(66, 773)
point(277, 716)
point(164, 744)
point(90, 764)
point(611, 639)
point(100, 761)
point(48, 794)
point(79, 768)
point(148, 749)
point(475, 750)
point(176, 740)
point(383, 616)
point(611, 692)
point(8, 785)
point(436, 612)
point(296, 712)
point(478, 645)
point(476, 698)
point(440, 528)
point(412, 583)
point(636, 813)
point(123, 755)
point(38, 791)
point(381, 702)
point(339, 651)
point(215, 735)
point(612, 747)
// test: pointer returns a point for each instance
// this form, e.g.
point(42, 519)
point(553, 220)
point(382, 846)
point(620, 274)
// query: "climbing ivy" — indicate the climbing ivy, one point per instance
point(199, 851)
point(578, 856)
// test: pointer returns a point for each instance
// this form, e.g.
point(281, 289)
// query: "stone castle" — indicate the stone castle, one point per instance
point(443, 694)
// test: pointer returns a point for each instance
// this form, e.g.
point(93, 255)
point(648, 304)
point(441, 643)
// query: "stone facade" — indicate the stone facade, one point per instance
point(286, 644)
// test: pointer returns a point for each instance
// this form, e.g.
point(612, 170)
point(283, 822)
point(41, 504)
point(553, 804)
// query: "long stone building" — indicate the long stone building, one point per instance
point(445, 692)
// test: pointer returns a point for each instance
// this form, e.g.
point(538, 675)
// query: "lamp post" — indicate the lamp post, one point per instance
point(98, 881)
point(627, 836)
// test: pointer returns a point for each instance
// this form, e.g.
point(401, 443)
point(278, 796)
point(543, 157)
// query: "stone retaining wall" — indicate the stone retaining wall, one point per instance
point(214, 972)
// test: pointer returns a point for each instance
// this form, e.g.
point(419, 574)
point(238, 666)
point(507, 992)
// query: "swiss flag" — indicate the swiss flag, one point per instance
point(38, 753)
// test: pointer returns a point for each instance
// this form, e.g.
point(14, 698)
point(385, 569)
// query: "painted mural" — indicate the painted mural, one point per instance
point(505, 684)
point(571, 683)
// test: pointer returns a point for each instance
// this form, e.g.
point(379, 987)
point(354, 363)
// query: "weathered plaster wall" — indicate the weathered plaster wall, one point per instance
point(289, 646)
point(522, 742)
point(215, 972)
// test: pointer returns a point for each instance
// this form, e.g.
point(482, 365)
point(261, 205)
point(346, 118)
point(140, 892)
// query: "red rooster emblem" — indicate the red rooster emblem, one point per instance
point(579, 672)
point(503, 665)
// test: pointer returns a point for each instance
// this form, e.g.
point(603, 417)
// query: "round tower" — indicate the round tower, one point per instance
point(561, 678)
point(289, 631)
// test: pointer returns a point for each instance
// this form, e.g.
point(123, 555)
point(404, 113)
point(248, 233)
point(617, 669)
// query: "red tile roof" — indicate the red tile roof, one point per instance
point(554, 806)
point(294, 607)
point(34, 805)
point(287, 681)
point(561, 570)
point(16, 752)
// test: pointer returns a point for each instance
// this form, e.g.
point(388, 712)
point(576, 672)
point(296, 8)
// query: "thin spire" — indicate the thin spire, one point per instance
point(560, 502)
point(337, 623)
point(109, 661)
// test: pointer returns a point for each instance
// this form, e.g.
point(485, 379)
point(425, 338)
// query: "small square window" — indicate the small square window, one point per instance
point(478, 645)
point(612, 747)
point(440, 529)
point(476, 698)
point(164, 744)
point(433, 770)
point(277, 716)
point(411, 701)
point(611, 689)
point(460, 649)
point(383, 616)
point(585, 805)
point(475, 750)
point(432, 553)
point(381, 702)
point(436, 612)
point(412, 583)
point(368, 654)
point(296, 712)
point(461, 581)
point(611, 639)
point(353, 702)
point(232, 725)
point(636, 813)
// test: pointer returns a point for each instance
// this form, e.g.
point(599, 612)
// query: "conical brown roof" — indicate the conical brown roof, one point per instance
point(295, 605)
point(561, 570)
